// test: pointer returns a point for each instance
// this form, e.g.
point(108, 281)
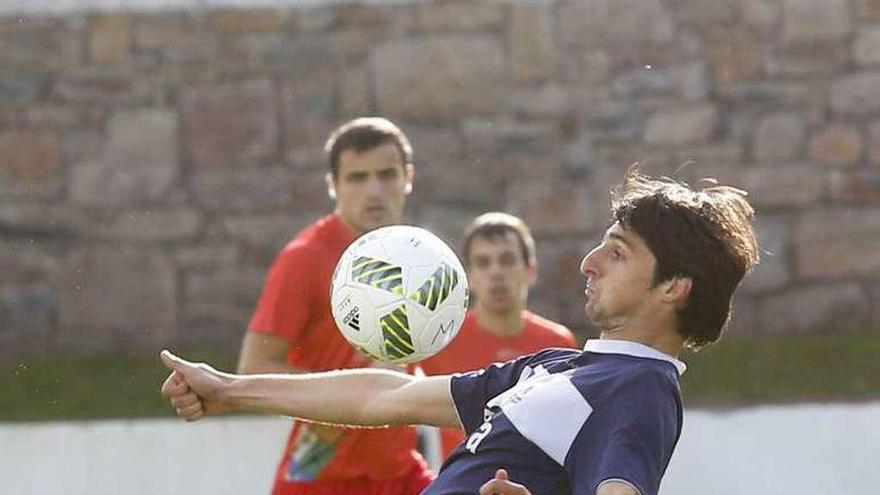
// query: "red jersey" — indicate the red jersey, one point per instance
point(475, 348)
point(295, 305)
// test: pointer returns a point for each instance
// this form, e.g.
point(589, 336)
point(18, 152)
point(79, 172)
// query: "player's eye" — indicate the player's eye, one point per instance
point(616, 254)
point(356, 177)
point(388, 174)
point(507, 259)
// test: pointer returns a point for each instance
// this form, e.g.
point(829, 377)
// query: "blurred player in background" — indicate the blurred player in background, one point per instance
point(604, 420)
point(292, 329)
point(499, 253)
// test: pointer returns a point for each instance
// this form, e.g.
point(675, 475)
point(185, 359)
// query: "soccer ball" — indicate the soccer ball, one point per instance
point(399, 294)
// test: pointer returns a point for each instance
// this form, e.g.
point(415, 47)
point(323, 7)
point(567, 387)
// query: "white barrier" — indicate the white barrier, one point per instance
point(809, 449)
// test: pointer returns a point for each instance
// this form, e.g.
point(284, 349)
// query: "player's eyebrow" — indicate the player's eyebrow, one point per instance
point(621, 239)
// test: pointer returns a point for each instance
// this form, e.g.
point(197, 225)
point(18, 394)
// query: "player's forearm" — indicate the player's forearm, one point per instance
point(344, 397)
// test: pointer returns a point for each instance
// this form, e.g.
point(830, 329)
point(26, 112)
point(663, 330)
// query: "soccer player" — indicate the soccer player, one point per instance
point(604, 420)
point(292, 329)
point(499, 253)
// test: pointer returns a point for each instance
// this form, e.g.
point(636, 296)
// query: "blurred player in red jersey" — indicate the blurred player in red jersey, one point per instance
point(499, 253)
point(292, 329)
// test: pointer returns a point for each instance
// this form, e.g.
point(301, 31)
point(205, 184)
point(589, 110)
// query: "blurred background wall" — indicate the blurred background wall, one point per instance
point(153, 160)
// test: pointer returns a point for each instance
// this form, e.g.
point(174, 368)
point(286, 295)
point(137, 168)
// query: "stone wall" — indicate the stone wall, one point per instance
point(152, 163)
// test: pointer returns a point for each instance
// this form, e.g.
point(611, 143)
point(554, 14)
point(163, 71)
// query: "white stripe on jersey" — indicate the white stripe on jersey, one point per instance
point(547, 410)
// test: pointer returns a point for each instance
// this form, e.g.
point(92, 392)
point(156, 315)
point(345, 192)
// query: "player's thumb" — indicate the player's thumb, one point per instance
point(173, 362)
point(501, 474)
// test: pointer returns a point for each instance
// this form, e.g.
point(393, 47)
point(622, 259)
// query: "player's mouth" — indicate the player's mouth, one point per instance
point(374, 210)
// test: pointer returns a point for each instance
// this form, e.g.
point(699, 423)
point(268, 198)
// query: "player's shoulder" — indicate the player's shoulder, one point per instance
point(314, 239)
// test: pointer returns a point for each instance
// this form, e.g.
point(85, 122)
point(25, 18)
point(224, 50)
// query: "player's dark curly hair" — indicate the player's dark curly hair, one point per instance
point(704, 234)
point(362, 134)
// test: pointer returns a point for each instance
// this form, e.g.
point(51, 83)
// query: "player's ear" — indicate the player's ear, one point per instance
point(331, 186)
point(409, 173)
point(532, 271)
point(677, 289)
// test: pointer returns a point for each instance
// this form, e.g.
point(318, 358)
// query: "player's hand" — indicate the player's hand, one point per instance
point(501, 485)
point(193, 388)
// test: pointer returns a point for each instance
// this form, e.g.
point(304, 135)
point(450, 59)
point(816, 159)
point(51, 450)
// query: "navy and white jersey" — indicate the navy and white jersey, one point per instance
point(563, 421)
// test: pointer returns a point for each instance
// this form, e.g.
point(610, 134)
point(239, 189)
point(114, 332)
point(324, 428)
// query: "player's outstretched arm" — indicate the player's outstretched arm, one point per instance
point(362, 397)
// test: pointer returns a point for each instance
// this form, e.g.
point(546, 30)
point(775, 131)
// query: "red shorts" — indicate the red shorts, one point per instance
point(411, 484)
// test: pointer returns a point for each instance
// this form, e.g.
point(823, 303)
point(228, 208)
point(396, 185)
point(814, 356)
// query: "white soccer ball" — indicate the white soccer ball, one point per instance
point(399, 294)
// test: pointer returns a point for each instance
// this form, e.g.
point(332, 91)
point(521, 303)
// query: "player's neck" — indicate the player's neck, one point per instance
point(658, 333)
point(505, 324)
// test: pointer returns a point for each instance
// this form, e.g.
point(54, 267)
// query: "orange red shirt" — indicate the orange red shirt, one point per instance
point(474, 348)
point(295, 305)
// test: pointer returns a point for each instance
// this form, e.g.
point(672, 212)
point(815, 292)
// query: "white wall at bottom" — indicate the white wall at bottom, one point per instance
point(809, 449)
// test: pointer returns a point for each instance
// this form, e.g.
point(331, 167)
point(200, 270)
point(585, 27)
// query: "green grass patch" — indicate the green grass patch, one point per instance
point(737, 372)
point(64, 388)
point(745, 371)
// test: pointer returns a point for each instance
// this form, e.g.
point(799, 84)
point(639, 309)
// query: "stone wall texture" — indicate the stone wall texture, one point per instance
point(152, 163)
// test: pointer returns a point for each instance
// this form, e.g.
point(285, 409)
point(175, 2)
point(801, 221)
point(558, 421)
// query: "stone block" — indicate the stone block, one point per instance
point(152, 225)
point(237, 287)
point(874, 143)
point(117, 288)
point(139, 163)
point(868, 9)
point(28, 299)
point(434, 17)
point(837, 144)
point(109, 38)
point(856, 94)
point(778, 137)
point(769, 95)
point(266, 233)
point(622, 23)
point(439, 77)
point(19, 89)
point(810, 309)
point(108, 87)
point(559, 291)
point(861, 185)
point(169, 31)
point(775, 243)
point(761, 15)
point(251, 20)
point(866, 47)
point(838, 243)
point(231, 125)
point(275, 53)
point(677, 126)
point(355, 96)
point(34, 219)
point(37, 45)
point(734, 54)
point(773, 187)
point(214, 256)
point(700, 13)
point(802, 59)
point(474, 179)
point(613, 119)
point(546, 100)
point(807, 20)
point(304, 143)
point(530, 41)
point(29, 154)
point(307, 100)
point(566, 207)
point(259, 189)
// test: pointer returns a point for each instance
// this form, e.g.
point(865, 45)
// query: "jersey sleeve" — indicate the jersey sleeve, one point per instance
point(472, 391)
point(632, 438)
point(287, 298)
